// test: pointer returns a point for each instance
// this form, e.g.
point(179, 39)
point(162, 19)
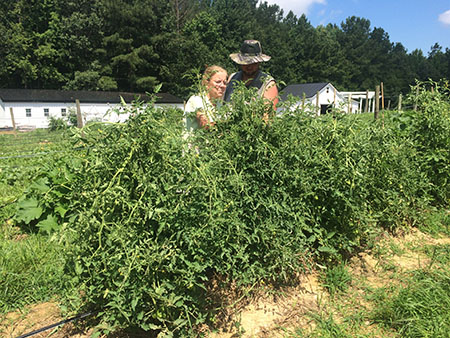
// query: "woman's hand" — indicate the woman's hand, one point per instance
point(203, 121)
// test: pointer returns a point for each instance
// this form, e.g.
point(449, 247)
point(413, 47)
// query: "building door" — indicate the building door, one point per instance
point(325, 108)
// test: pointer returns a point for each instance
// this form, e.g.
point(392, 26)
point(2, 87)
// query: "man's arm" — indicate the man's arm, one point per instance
point(271, 94)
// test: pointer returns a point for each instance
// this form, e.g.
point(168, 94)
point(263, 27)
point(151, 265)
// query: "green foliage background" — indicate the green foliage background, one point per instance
point(136, 45)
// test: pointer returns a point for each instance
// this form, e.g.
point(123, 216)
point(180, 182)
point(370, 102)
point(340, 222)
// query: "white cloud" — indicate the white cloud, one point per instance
point(445, 17)
point(299, 7)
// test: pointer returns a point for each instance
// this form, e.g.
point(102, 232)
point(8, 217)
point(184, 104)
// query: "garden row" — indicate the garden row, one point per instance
point(151, 217)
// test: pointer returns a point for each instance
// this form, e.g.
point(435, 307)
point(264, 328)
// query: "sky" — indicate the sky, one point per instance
point(416, 24)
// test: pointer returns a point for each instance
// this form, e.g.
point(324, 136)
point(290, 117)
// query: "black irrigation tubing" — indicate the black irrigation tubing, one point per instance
point(62, 322)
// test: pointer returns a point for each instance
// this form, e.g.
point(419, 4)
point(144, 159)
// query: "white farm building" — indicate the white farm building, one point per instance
point(321, 97)
point(32, 108)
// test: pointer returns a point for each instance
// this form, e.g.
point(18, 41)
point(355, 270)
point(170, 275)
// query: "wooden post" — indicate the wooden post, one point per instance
point(303, 101)
point(349, 107)
point(79, 117)
point(400, 102)
point(12, 118)
point(317, 103)
point(334, 99)
point(377, 102)
point(366, 108)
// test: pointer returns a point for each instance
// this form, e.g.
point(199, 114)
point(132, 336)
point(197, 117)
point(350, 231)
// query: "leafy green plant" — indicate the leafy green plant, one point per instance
point(46, 203)
point(432, 134)
point(24, 157)
point(336, 278)
point(57, 123)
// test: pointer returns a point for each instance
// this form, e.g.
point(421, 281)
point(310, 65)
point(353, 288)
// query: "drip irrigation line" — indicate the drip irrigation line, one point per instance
point(65, 321)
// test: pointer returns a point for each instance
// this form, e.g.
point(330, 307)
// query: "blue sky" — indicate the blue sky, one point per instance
point(416, 24)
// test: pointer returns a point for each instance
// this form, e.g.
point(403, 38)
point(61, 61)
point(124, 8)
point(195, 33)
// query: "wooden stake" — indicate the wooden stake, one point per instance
point(377, 102)
point(366, 108)
point(317, 103)
point(12, 118)
point(349, 103)
point(382, 96)
point(79, 117)
point(400, 102)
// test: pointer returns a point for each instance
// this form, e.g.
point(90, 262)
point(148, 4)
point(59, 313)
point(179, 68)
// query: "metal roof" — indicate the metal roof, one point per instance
point(51, 95)
point(309, 89)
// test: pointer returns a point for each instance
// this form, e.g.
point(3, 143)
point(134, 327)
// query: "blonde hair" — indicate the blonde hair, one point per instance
point(209, 73)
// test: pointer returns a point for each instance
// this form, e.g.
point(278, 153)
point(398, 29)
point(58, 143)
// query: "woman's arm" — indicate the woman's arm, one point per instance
point(203, 121)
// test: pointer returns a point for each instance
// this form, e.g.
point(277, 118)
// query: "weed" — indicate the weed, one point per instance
point(439, 254)
point(336, 278)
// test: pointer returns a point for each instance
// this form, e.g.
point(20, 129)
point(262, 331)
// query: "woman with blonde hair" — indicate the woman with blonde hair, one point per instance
point(203, 104)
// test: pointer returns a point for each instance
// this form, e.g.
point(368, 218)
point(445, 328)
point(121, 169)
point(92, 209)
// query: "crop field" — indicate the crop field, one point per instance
point(331, 226)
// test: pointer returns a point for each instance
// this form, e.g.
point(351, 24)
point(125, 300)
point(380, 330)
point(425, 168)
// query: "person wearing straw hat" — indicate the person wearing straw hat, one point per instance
point(249, 58)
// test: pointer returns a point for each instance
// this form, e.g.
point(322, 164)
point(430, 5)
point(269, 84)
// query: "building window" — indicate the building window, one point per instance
point(63, 112)
point(46, 112)
point(28, 112)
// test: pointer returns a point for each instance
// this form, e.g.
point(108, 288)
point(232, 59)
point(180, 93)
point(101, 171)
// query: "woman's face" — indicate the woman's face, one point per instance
point(217, 85)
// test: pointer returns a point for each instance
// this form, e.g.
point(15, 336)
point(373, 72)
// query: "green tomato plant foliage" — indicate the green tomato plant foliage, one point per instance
point(432, 134)
point(152, 214)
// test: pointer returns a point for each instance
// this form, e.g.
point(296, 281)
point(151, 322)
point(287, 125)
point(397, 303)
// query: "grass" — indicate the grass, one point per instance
point(420, 308)
point(336, 278)
point(392, 301)
point(327, 327)
point(31, 268)
point(31, 265)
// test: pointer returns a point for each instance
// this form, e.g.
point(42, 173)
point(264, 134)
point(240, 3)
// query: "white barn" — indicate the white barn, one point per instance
point(321, 97)
point(32, 108)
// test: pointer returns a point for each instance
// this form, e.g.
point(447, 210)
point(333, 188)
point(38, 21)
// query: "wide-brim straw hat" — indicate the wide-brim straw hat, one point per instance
point(251, 52)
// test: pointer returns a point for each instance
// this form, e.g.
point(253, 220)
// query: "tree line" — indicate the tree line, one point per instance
point(134, 45)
